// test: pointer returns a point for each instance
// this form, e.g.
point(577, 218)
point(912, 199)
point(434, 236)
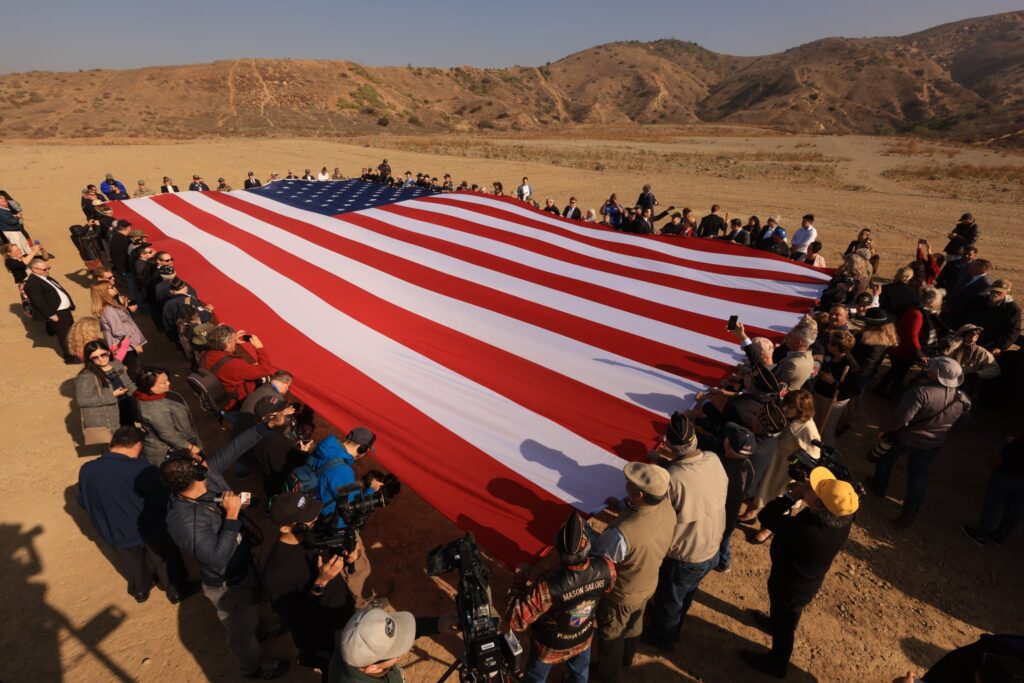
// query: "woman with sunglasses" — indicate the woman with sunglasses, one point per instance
point(119, 327)
point(102, 389)
point(165, 416)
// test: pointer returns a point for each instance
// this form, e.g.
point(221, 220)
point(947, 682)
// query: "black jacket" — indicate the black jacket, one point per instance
point(803, 549)
point(711, 225)
point(965, 235)
point(219, 545)
point(1000, 322)
point(44, 299)
point(251, 183)
point(168, 188)
point(572, 212)
point(897, 297)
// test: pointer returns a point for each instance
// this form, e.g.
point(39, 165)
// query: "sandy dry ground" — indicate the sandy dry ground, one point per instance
point(894, 601)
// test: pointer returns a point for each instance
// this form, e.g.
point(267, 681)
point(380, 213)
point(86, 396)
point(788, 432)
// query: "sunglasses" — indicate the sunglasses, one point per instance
point(165, 260)
point(99, 356)
point(44, 268)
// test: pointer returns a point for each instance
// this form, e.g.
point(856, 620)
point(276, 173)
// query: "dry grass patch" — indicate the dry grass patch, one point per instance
point(996, 182)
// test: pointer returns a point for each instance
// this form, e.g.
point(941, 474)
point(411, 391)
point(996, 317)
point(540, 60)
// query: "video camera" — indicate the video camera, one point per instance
point(801, 463)
point(328, 539)
point(489, 655)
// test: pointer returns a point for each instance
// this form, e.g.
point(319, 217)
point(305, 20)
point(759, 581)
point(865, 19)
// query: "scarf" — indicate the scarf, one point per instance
point(143, 396)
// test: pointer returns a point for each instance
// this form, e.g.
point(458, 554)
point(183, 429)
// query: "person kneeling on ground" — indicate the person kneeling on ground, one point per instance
point(373, 641)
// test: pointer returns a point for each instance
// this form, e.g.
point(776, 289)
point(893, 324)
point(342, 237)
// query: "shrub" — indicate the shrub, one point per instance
point(383, 121)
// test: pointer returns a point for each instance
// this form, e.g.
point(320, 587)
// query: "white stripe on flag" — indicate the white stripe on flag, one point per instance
point(541, 451)
point(674, 248)
point(656, 292)
point(682, 338)
point(607, 372)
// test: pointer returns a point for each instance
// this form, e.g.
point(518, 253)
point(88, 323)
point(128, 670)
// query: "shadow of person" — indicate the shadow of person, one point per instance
point(203, 637)
point(542, 519)
point(660, 403)
point(921, 653)
point(587, 486)
point(32, 649)
point(80, 277)
point(31, 329)
point(81, 519)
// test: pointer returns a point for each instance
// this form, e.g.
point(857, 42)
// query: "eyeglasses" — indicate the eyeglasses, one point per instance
point(100, 356)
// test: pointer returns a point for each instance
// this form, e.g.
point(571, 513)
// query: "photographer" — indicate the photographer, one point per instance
point(562, 604)
point(636, 541)
point(301, 585)
point(279, 452)
point(373, 641)
point(333, 462)
point(802, 552)
point(204, 519)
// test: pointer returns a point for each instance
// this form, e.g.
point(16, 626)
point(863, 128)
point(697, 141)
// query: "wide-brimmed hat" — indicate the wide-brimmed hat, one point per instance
point(964, 329)
point(201, 333)
point(1002, 285)
point(877, 316)
point(947, 371)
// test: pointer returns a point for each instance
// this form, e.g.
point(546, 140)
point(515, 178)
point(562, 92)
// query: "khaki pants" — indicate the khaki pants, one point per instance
point(359, 580)
point(618, 627)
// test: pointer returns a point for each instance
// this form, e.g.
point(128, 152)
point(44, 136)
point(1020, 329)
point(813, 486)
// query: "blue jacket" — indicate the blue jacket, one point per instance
point(106, 185)
point(337, 475)
point(123, 498)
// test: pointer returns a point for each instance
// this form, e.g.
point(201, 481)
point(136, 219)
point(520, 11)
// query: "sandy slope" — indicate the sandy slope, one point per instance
point(893, 602)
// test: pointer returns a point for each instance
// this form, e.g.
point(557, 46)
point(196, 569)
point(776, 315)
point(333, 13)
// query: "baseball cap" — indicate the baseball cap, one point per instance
point(837, 496)
point(1002, 285)
point(373, 636)
point(650, 479)
point(294, 507)
point(363, 437)
point(166, 271)
point(136, 233)
point(269, 404)
point(739, 438)
point(779, 232)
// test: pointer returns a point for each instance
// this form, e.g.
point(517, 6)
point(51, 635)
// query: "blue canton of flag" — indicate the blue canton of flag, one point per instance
point(336, 196)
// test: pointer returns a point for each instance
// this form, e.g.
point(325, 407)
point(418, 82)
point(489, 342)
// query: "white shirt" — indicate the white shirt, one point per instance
point(803, 237)
point(65, 302)
point(323, 175)
point(523, 192)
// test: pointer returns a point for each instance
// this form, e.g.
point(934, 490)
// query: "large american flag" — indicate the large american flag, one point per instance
point(510, 361)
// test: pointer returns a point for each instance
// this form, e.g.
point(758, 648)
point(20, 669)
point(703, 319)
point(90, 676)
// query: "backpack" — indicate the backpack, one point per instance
point(207, 386)
point(307, 478)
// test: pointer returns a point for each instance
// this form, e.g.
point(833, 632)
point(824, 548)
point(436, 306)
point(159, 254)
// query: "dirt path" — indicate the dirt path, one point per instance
point(894, 601)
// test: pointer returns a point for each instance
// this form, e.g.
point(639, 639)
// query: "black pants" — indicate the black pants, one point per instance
point(60, 328)
point(784, 620)
point(156, 558)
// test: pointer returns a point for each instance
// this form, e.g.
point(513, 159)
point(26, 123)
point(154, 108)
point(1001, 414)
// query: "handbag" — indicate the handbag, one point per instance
point(96, 436)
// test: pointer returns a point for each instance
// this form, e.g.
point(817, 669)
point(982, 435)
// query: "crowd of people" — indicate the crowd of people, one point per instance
point(757, 452)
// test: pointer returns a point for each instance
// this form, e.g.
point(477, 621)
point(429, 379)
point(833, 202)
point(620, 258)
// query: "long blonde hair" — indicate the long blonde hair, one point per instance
point(83, 331)
point(101, 298)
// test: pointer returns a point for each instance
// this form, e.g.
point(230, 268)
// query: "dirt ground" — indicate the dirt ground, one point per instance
point(894, 601)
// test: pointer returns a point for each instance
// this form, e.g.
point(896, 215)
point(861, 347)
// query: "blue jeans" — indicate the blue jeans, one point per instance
point(1003, 506)
point(725, 552)
point(917, 474)
point(579, 668)
point(677, 584)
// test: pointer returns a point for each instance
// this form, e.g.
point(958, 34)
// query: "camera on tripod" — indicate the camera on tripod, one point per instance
point(328, 538)
point(489, 655)
point(801, 463)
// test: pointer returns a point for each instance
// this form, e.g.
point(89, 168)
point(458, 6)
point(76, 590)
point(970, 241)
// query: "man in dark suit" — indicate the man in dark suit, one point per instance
point(571, 210)
point(197, 185)
point(52, 304)
point(973, 282)
point(168, 186)
point(252, 181)
point(711, 225)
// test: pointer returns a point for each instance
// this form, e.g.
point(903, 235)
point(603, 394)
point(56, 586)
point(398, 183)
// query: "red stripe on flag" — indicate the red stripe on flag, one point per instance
point(708, 245)
point(510, 516)
point(604, 420)
point(769, 300)
point(645, 351)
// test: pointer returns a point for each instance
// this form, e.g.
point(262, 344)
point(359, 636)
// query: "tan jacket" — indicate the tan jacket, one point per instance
point(697, 489)
point(794, 369)
point(648, 532)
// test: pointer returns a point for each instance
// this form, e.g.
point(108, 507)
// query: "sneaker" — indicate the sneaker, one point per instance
point(271, 669)
point(973, 534)
point(723, 569)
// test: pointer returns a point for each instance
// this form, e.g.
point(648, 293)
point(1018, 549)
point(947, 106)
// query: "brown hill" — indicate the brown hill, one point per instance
point(963, 80)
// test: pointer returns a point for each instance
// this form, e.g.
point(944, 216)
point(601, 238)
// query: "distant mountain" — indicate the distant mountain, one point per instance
point(963, 80)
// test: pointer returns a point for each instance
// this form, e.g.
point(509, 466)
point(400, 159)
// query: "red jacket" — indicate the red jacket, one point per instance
point(238, 376)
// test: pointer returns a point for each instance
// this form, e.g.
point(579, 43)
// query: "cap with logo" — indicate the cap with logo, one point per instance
point(269, 405)
point(740, 439)
point(373, 636)
point(837, 496)
point(294, 507)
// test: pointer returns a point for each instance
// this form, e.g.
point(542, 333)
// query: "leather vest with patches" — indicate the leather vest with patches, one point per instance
point(574, 597)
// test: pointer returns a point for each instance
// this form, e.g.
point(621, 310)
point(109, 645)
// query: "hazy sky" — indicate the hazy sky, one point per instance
point(71, 35)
